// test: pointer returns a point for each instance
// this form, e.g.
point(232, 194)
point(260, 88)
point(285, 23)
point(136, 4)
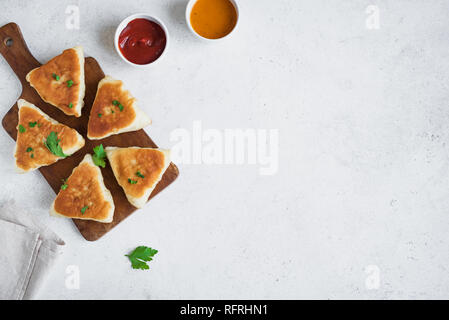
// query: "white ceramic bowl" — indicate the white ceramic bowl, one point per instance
point(189, 7)
point(122, 26)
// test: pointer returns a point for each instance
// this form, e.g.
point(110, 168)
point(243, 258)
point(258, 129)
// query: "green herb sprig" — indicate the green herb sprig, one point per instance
point(83, 209)
point(118, 104)
point(52, 144)
point(99, 156)
point(140, 256)
point(64, 184)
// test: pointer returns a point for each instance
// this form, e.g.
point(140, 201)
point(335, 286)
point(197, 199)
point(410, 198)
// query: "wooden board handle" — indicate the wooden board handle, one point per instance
point(14, 49)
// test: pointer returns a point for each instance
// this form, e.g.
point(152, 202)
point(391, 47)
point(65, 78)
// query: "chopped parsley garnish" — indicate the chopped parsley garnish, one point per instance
point(99, 115)
point(116, 103)
point(83, 209)
point(29, 149)
point(32, 124)
point(99, 156)
point(140, 256)
point(132, 181)
point(39, 125)
point(112, 111)
point(69, 83)
point(55, 76)
point(140, 175)
point(70, 105)
point(64, 185)
point(52, 144)
point(32, 155)
point(21, 128)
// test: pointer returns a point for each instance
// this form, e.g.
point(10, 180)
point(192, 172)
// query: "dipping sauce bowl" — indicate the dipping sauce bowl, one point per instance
point(141, 40)
point(212, 20)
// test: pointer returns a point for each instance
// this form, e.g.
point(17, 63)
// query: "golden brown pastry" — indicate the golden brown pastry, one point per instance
point(41, 140)
point(84, 195)
point(114, 111)
point(60, 81)
point(138, 170)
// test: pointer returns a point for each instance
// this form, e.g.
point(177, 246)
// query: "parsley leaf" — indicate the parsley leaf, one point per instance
point(132, 181)
point(140, 175)
point(140, 256)
point(52, 144)
point(55, 76)
point(83, 209)
point(99, 156)
point(21, 128)
point(29, 149)
point(118, 104)
point(70, 105)
point(32, 124)
point(64, 185)
point(69, 83)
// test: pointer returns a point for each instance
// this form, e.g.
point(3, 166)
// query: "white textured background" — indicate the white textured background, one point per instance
point(363, 176)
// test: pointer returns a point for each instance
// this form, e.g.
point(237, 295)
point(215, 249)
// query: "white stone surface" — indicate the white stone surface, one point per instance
point(363, 119)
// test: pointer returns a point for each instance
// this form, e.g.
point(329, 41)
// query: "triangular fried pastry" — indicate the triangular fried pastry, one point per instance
point(114, 111)
point(84, 195)
point(60, 82)
point(41, 140)
point(138, 170)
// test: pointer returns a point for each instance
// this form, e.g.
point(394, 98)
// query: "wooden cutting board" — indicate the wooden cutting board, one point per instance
point(15, 51)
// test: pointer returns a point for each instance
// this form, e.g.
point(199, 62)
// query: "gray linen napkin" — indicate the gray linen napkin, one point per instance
point(28, 251)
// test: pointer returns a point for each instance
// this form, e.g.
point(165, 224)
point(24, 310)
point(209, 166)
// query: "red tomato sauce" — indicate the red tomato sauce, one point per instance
point(142, 41)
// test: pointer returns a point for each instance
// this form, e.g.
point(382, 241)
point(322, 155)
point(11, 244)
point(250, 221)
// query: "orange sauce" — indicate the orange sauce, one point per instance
point(213, 19)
